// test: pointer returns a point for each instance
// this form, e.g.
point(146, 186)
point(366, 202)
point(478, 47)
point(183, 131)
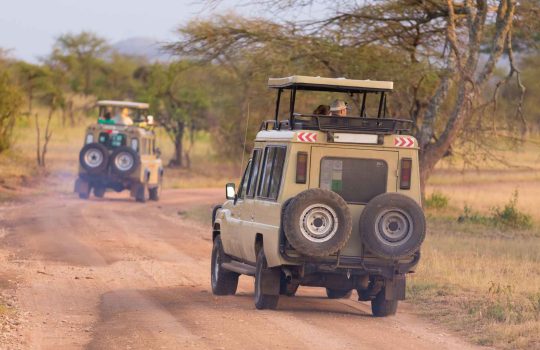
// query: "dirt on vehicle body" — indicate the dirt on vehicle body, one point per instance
point(120, 153)
point(326, 200)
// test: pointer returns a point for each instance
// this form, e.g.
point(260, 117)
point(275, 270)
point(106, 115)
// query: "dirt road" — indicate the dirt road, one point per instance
point(115, 274)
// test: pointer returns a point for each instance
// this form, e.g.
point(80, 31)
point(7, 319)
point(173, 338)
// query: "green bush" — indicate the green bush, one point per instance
point(10, 102)
point(508, 216)
point(437, 200)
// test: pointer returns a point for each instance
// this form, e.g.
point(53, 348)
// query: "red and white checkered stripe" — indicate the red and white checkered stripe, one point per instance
point(307, 136)
point(404, 141)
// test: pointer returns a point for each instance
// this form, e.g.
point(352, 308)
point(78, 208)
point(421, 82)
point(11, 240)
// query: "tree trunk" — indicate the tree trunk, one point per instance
point(178, 145)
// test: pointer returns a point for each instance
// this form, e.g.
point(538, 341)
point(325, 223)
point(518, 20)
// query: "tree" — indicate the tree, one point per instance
point(179, 105)
point(81, 55)
point(31, 79)
point(10, 104)
point(444, 42)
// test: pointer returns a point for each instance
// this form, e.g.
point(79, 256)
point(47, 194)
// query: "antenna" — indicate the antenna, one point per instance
point(245, 139)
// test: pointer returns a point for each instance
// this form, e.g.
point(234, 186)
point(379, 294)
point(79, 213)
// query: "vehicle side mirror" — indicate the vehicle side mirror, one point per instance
point(230, 191)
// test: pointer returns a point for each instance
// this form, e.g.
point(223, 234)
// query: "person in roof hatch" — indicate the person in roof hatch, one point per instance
point(338, 108)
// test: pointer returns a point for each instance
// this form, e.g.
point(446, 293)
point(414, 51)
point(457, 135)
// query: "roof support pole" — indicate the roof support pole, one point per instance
point(381, 102)
point(363, 109)
point(277, 104)
point(291, 107)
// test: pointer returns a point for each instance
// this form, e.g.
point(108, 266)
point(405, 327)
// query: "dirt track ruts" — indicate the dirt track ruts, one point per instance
point(112, 273)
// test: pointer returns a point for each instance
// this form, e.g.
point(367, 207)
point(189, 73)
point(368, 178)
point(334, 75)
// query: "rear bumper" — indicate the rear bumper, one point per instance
point(354, 265)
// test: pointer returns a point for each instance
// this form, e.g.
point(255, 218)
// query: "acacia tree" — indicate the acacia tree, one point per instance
point(81, 56)
point(179, 105)
point(454, 46)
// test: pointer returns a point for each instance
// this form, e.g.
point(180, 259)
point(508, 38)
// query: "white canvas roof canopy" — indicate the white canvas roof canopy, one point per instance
point(128, 104)
point(301, 82)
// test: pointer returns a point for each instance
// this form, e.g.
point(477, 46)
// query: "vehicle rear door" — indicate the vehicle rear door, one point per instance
point(357, 175)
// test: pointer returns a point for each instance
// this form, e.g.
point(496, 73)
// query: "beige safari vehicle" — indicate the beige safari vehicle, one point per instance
point(120, 153)
point(326, 201)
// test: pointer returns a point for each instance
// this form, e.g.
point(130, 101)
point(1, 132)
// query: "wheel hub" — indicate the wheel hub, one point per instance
point(393, 226)
point(93, 158)
point(124, 161)
point(318, 223)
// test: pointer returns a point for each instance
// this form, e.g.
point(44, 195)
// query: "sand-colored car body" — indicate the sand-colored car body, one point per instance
point(144, 178)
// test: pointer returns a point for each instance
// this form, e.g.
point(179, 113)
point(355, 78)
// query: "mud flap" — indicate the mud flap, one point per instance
point(81, 186)
point(394, 289)
point(271, 279)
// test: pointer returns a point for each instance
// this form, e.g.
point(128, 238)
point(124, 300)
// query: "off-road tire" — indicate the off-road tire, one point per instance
point(288, 289)
point(380, 307)
point(155, 192)
point(338, 294)
point(402, 239)
point(124, 151)
point(100, 150)
point(263, 301)
point(223, 282)
point(298, 216)
point(99, 191)
point(141, 193)
point(85, 195)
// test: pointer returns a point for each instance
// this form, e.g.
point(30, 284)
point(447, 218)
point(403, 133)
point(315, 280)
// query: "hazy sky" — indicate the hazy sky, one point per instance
point(29, 27)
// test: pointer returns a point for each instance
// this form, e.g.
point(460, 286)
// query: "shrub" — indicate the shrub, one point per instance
point(507, 217)
point(437, 200)
point(510, 216)
point(10, 102)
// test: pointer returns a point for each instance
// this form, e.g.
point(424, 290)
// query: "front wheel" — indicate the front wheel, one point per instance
point(381, 307)
point(223, 282)
point(265, 277)
point(99, 191)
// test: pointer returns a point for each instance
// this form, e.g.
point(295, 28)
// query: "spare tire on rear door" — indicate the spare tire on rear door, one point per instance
point(392, 226)
point(124, 161)
point(317, 222)
point(94, 158)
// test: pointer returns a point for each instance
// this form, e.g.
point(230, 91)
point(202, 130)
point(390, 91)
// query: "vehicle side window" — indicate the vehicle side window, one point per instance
point(356, 180)
point(244, 183)
point(274, 159)
point(256, 161)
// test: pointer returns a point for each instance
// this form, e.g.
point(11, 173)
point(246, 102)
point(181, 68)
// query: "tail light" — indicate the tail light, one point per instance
point(301, 167)
point(405, 174)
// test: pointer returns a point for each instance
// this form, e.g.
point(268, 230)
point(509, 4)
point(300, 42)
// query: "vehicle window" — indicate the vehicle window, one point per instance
point(243, 184)
point(256, 161)
point(112, 140)
point(272, 171)
point(356, 180)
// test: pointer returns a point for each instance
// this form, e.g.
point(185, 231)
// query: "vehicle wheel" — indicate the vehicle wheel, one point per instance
point(124, 161)
point(288, 289)
point(85, 194)
point(223, 282)
point(94, 158)
point(380, 307)
point(141, 194)
point(317, 222)
point(338, 294)
point(155, 192)
point(392, 226)
point(99, 191)
point(264, 301)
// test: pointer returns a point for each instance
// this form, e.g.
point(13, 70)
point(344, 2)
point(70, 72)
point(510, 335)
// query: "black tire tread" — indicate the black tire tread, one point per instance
point(227, 281)
point(367, 226)
point(292, 216)
point(380, 307)
point(263, 301)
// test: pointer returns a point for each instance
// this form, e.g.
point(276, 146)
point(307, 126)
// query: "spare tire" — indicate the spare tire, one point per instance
point(124, 161)
point(317, 222)
point(94, 158)
point(392, 226)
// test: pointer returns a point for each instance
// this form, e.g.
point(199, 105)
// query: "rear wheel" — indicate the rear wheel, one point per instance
point(141, 195)
point(223, 282)
point(265, 277)
point(99, 191)
point(85, 194)
point(155, 192)
point(338, 294)
point(380, 307)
